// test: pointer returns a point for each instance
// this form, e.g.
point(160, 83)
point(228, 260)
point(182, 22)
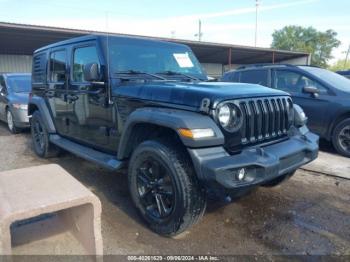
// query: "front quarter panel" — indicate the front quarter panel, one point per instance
point(173, 119)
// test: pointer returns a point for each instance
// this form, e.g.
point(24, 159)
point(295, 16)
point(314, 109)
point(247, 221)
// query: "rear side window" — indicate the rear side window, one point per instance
point(39, 68)
point(254, 77)
point(83, 56)
point(231, 77)
point(58, 66)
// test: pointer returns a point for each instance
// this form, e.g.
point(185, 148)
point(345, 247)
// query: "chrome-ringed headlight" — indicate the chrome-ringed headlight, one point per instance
point(300, 119)
point(224, 115)
point(229, 116)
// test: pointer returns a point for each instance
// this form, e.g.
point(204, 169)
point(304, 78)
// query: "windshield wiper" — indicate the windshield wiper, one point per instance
point(134, 72)
point(170, 73)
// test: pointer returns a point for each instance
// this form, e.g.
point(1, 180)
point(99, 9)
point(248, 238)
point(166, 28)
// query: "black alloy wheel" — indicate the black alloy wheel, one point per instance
point(155, 188)
point(164, 187)
point(40, 136)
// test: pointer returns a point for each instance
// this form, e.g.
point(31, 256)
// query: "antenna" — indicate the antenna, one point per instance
point(108, 59)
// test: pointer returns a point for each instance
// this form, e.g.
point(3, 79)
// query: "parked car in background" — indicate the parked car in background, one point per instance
point(14, 95)
point(324, 96)
point(148, 105)
point(345, 73)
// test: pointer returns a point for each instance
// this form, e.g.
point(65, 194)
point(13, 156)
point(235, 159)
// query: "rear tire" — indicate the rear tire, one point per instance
point(42, 146)
point(10, 122)
point(164, 187)
point(277, 181)
point(341, 137)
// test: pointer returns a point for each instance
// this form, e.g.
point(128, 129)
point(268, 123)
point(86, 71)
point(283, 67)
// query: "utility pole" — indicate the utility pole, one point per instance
point(346, 57)
point(200, 34)
point(256, 20)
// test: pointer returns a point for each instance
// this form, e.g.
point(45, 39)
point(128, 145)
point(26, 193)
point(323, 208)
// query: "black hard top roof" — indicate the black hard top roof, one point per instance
point(104, 37)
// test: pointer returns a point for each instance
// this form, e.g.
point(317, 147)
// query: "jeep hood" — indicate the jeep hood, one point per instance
point(191, 94)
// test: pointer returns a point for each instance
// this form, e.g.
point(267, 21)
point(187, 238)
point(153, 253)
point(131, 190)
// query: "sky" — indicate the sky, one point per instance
point(223, 21)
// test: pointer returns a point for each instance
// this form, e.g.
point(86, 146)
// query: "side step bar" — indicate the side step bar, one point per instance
point(102, 159)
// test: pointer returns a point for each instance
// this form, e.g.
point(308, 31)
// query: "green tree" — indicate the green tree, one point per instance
point(297, 38)
point(340, 65)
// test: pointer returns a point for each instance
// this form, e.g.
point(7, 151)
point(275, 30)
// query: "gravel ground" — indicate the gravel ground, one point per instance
point(309, 214)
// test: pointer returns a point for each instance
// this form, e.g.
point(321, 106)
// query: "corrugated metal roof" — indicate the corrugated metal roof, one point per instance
point(25, 38)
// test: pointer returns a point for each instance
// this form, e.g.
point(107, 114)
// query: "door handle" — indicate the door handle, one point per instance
point(71, 98)
point(50, 93)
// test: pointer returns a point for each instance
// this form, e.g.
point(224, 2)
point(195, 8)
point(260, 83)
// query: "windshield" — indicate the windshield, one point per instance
point(19, 84)
point(333, 79)
point(153, 58)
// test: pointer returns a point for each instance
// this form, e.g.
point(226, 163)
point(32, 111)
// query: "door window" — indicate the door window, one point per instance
point(83, 56)
point(294, 82)
point(254, 77)
point(2, 85)
point(58, 66)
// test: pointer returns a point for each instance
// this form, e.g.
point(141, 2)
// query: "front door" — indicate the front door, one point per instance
point(91, 117)
point(57, 88)
point(314, 107)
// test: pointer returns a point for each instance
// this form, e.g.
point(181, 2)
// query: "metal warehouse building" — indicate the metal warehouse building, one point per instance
point(18, 41)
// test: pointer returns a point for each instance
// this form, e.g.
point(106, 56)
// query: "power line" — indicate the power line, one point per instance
point(256, 20)
point(346, 57)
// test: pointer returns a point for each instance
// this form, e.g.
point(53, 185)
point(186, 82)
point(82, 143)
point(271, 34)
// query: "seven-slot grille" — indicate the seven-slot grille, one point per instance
point(264, 118)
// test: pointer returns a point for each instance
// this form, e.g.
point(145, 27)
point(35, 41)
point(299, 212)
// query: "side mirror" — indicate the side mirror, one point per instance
point(92, 72)
point(311, 90)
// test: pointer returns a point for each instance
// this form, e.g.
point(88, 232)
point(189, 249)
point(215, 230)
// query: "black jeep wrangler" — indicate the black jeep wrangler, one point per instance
point(148, 105)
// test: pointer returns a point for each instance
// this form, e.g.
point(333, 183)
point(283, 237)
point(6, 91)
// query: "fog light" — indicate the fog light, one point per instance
point(241, 174)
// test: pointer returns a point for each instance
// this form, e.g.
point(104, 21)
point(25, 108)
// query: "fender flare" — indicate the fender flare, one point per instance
point(173, 119)
point(38, 102)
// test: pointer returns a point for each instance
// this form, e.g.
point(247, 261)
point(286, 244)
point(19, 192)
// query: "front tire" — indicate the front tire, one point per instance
point(42, 146)
point(164, 187)
point(341, 137)
point(10, 122)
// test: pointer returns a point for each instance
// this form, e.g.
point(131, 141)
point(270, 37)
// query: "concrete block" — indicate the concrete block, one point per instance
point(49, 189)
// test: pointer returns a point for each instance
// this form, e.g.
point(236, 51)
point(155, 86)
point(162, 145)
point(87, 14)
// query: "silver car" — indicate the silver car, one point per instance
point(14, 95)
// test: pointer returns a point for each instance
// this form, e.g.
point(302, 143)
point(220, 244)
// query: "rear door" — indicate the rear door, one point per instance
point(315, 107)
point(57, 88)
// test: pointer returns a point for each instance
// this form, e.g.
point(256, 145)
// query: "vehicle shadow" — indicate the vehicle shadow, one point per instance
point(3, 126)
point(327, 147)
point(109, 185)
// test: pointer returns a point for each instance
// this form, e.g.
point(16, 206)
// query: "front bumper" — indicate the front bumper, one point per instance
point(20, 117)
point(216, 168)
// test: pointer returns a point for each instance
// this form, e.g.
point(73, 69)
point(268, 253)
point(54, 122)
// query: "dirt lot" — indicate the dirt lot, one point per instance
point(309, 214)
